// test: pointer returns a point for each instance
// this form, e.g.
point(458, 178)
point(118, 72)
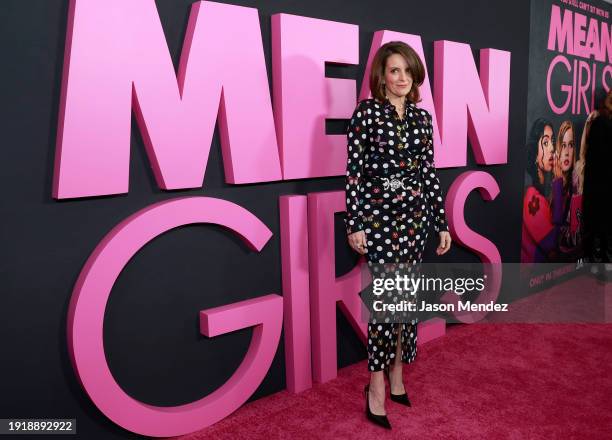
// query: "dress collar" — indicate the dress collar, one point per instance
point(407, 104)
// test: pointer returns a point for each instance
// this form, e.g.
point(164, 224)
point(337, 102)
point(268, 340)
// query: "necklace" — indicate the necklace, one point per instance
point(401, 112)
point(400, 109)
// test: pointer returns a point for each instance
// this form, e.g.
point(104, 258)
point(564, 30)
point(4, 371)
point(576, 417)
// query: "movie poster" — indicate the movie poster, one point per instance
point(570, 70)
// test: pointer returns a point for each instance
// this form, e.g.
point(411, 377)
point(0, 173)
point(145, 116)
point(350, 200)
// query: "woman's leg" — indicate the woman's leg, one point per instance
point(377, 393)
point(414, 236)
point(396, 380)
point(381, 242)
point(378, 346)
point(405, 353)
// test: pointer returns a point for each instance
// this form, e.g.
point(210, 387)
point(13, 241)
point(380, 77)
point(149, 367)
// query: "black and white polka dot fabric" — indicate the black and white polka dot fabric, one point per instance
point(393, 194)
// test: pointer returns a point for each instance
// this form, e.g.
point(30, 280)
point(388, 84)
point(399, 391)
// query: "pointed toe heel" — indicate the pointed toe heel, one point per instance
point(401, 398)
point(398, 398)
point(377, 419)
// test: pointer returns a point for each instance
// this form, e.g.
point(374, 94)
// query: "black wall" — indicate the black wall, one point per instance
point(151, 332)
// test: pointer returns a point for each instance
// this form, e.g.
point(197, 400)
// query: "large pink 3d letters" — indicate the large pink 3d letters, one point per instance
point(460, 91)
point(483, 247)
point(304, 98)
point(93, 287)
point(117, 58)
point(107, 74)
point(296, 291)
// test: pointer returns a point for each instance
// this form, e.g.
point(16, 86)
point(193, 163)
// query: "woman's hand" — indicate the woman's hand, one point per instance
point(591, 116)
point(445, 242)
point(357, 241)
point(557, 171)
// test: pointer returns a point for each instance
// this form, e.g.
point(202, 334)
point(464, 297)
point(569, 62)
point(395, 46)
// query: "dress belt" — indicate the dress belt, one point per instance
point(398, 182)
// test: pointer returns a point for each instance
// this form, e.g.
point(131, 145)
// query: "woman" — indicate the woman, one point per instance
point(597, 231)
point(564, 152)
point(565, 155)
point(540, 222)
point(570, 239)
point(392, 192)
point(578, 174)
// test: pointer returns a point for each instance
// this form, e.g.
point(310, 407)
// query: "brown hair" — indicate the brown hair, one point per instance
point(564, 128)
point(603, 109)
point(377, 69)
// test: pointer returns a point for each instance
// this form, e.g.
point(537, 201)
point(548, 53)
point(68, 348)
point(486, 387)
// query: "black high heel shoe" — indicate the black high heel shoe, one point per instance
point(379, 420)
point(398, 398)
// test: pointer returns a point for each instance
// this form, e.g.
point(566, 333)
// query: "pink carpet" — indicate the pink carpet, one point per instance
point(483, 381)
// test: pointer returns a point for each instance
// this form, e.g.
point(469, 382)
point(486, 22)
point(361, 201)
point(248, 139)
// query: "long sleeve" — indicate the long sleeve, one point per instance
point(558, 201)
point(569, 236)
point(356, 143)
point(432, 189)
point(543, 221)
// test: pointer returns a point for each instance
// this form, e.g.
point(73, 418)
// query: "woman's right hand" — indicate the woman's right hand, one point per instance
point(592, 116)
point(357, 241)
point(557, 171)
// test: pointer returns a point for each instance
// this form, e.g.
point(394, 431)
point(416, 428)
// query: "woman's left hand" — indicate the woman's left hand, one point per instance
point(445, 242)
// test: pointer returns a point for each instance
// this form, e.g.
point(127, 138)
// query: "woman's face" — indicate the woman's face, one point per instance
point(567, 150)
point(398, 79)
point(545, 150)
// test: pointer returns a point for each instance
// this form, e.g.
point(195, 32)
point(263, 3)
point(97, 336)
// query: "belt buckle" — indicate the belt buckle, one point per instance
point(394, 183)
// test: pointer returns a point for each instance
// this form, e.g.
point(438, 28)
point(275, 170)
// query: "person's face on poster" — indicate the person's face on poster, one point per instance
point(567, 150)
point(545, 150)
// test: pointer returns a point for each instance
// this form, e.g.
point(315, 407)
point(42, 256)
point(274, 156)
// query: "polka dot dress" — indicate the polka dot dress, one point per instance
point(393, 194)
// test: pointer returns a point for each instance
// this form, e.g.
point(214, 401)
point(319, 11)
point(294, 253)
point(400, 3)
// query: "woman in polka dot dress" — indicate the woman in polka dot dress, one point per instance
point(392, 194)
